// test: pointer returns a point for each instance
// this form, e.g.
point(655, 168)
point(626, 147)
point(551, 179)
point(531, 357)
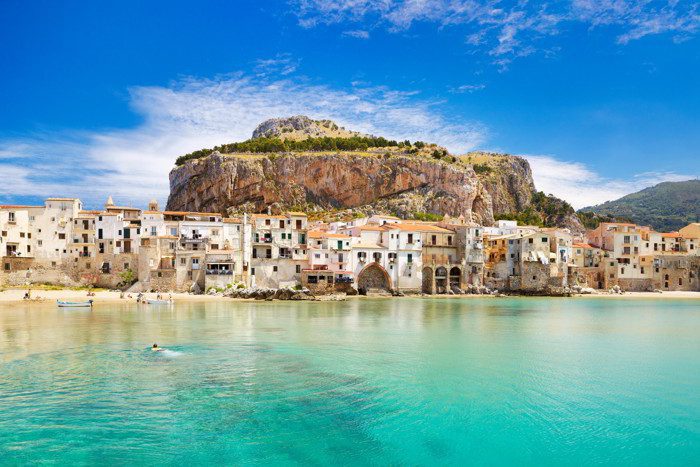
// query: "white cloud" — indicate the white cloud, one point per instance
point(282, 64)
point(468, 88)
point(581, 186)
point(357, 34)
point(514, 28)
point(133, 164)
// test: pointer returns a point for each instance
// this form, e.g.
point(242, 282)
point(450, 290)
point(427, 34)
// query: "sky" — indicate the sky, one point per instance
point(99, 98)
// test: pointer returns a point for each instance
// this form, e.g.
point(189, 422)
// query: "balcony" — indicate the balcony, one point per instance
point(194, 240)
point(219, 272)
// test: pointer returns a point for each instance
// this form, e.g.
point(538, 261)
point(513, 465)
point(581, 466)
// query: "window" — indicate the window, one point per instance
point(433, 239)
point(274, 268)
point(7, 266)
point(680, 281)
point(409, 258)
point(10, 216)
point(252, 271)
point(410, 238)
point(154, 231)
point(298, 268)
point(183, 261)
point(4, 233)
point(529, 240)
point(267, 221)
point(282, 224)
point(449, 239)
point(61, 236)
point(21, 235)
point(545, 239)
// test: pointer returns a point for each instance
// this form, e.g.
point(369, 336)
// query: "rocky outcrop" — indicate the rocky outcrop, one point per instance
point(404, 179)
point(300, 127)
point(324, 182)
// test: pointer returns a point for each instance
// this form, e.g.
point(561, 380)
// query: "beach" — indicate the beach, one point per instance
point(103, 296)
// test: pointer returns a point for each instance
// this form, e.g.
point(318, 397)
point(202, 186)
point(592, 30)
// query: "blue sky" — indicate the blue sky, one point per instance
point(99, 98)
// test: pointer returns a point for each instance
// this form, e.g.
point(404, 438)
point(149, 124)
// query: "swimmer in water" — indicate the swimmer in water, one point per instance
point(155, 348)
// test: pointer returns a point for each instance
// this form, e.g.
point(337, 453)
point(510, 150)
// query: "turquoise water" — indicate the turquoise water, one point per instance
point(525, 381)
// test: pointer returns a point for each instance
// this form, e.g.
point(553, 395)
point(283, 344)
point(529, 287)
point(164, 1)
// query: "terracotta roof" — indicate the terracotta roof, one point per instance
point(375, 228)
point(582, 245)
point(367, 245)
point(322, 234)
point(152, 212)
point(121, 208)
point(297, 213)
point(17, 206)
point(232, 220)
point(671, 235)
point(209, 214)
point(266, 216)
point(175, 213)
point(418, 227)
point(61, 199)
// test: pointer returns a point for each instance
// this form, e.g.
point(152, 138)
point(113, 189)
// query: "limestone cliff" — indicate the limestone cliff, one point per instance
point(401, 184)
point(288, 166)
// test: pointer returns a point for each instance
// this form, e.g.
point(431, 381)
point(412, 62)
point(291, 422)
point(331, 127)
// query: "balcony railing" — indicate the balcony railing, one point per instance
point(219, 272)
point(194, 240)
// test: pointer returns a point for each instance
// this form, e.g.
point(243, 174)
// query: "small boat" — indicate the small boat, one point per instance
point(86, 304)
point(157, 302)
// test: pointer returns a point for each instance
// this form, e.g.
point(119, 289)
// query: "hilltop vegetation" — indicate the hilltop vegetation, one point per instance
point(667, 206)
point(278, 145)
point(544, 211)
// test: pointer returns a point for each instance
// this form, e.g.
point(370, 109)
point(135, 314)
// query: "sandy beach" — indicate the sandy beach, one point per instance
point(16, 295)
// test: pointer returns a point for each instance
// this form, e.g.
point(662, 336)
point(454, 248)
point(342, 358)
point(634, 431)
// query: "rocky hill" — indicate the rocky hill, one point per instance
point(301, 127)
point(325, 174)
point(666, 207)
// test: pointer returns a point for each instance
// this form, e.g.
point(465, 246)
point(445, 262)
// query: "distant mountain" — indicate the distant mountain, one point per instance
point(667, 206)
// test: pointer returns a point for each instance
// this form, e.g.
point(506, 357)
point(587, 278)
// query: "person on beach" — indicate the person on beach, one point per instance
point(27, 295)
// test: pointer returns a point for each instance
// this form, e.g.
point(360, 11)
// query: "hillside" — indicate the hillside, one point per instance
point(328, 175)
point(666, 207)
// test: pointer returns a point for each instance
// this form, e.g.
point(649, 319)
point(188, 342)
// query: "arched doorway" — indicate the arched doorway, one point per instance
point(374, 278)
point(455, 277)
point(441, 280)
point(427, 280)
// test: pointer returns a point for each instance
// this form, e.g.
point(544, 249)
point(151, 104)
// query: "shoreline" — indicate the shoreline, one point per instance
point(46, 296)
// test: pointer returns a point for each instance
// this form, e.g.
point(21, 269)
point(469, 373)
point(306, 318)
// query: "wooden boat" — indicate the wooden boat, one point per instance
point(157, 302)
point(86, 304)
